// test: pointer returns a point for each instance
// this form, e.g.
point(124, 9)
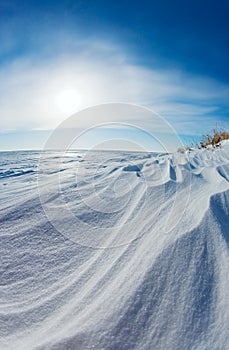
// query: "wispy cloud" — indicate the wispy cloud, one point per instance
point(100, 73)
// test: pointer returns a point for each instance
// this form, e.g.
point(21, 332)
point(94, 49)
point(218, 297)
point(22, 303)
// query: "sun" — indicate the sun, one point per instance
point(68, 100)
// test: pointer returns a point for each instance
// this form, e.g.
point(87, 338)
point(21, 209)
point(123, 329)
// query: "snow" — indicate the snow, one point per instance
point(114, 250)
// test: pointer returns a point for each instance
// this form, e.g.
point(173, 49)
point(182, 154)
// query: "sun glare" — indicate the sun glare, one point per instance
point(68, 100)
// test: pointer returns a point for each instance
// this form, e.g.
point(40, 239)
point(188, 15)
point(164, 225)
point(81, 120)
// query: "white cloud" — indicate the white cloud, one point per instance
point(29, 89)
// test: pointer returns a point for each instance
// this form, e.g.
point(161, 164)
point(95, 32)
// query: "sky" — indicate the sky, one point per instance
point(59, 57)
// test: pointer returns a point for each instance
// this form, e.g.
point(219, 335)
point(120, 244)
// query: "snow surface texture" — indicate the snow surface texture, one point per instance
point(151, 271)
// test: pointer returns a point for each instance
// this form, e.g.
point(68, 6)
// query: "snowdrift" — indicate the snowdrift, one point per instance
point(124, 251)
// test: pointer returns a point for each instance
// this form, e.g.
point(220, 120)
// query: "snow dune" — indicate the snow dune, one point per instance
point(114, 250)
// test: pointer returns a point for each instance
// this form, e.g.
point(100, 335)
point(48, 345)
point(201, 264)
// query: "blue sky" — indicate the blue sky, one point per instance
point(57, 57)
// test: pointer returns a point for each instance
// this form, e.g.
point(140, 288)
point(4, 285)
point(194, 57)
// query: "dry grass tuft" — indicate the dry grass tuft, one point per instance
point(214, 138)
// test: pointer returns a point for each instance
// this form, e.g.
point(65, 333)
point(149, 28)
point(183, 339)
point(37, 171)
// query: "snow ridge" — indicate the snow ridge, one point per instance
point(114, 250)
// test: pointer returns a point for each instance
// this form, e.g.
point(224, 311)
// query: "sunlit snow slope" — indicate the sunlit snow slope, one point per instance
point(124, 251)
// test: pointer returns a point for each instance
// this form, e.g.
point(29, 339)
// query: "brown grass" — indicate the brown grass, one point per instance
point(214, 138)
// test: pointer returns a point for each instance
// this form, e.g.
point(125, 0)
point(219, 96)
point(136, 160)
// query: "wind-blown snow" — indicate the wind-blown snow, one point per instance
point(149, 272)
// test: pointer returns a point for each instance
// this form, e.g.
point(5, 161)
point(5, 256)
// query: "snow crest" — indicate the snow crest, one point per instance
point(125, 251)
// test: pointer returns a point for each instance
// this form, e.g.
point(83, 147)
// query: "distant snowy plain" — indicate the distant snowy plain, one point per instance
point(114, 250)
